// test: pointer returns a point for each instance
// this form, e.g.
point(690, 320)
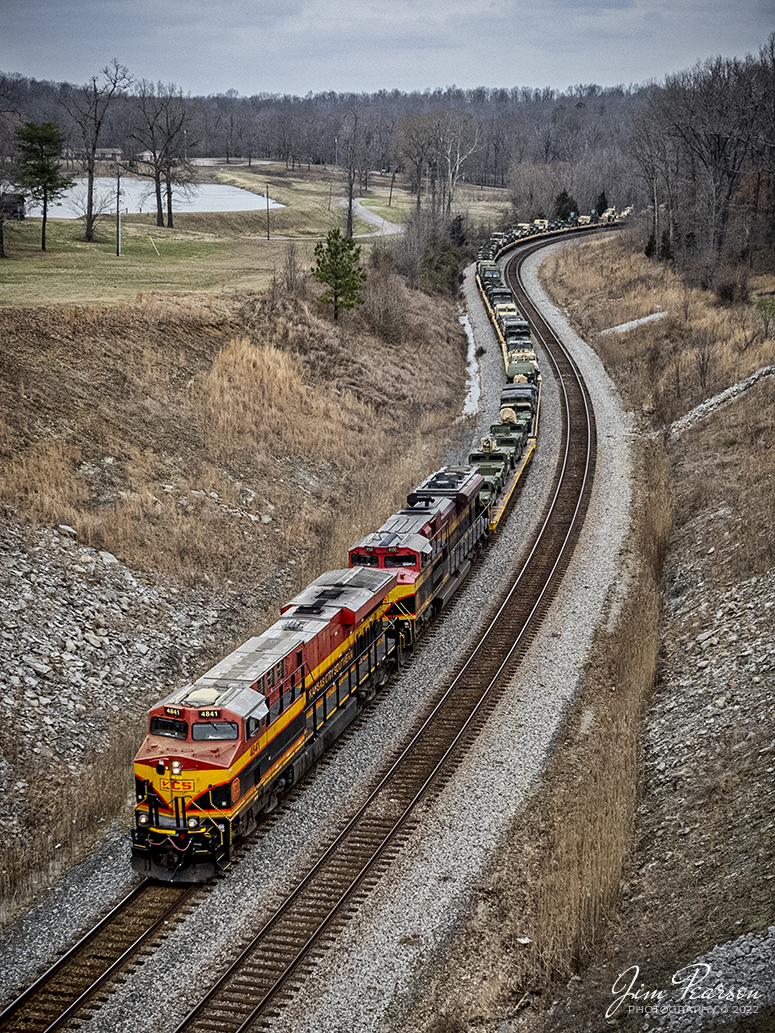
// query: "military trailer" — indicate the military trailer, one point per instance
point(522, 372)
point(493, 465)
point(510, 438)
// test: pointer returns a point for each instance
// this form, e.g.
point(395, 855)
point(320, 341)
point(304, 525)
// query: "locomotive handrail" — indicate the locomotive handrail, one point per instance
point(392, 648)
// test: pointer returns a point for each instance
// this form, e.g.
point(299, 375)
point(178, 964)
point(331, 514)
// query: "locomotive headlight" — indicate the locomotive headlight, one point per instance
point(176, 767)
point(143, 819)
point(192, 823)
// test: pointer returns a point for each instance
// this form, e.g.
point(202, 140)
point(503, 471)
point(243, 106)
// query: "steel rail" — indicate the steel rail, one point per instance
point(68, 981)
point(225, 1006)
point(61, 962)
point(386, 842)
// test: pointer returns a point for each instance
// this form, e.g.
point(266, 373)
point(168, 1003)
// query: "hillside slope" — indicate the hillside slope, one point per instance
point(693, 862)
point(170, 472)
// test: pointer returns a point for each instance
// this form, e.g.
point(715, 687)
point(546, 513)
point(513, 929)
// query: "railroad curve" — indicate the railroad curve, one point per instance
point(368, 876)
point(274, 964)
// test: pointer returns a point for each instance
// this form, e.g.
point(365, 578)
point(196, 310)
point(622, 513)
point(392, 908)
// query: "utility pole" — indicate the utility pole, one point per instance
point(118, 209)
point(267, 210)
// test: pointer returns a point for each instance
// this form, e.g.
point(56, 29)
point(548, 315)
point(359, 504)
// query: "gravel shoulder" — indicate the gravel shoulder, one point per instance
point(387, 957)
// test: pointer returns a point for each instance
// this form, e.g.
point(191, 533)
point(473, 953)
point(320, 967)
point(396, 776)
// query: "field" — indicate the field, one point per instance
point(204, 252)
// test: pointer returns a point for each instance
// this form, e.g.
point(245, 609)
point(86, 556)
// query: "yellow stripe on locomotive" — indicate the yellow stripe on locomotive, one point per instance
point(220, 750)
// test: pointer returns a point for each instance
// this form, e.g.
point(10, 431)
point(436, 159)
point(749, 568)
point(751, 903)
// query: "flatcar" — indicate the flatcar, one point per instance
point(494, 464)
point(220, 751)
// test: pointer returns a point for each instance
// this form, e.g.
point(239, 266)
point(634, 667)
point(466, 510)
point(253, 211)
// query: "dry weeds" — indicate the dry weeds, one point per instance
point(555, 887)
point(665, 367)
point(729, 464)
point(591, 791)
point(59, 824)
point(127, 412)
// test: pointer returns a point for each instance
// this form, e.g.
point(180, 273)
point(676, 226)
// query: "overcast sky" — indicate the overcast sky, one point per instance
point(297, 46)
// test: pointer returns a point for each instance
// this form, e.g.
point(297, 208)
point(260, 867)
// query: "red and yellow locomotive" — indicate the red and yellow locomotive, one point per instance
point(221, 750)
point(430, 541)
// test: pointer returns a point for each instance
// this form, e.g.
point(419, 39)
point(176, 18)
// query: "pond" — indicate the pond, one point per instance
point(137, 196)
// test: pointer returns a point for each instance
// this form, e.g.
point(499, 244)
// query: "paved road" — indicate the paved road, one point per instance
point(367, 215)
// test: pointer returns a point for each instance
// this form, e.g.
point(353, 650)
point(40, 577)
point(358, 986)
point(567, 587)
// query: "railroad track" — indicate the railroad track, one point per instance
point(81, 981)
point(274, 964)
point(76, 983)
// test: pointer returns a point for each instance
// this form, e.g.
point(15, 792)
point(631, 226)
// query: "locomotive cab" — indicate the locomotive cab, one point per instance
point(182, 782)
point(221, 751)
point(386, 558)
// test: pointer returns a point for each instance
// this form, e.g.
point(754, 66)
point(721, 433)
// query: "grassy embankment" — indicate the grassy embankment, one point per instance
point(204, 252)
point(112, 388)
point(558, 881)
point(480, 207)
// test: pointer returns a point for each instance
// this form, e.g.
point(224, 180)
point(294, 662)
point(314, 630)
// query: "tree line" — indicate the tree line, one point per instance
point(437, 138)
point(703, 143)
point(694, 152)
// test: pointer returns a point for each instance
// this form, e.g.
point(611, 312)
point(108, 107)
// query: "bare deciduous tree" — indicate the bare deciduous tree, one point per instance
point(87, 109)
point(703, 352)
point(416, 145)
point(458, 139)
point(160, 128)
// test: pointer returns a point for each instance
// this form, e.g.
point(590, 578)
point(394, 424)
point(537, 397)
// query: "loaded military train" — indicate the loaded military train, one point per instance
point(221, 751)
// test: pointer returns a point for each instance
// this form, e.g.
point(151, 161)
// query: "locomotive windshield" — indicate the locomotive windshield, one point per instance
point(201, 730)
point(361, 559)
point(166, 726)
point(407, 560)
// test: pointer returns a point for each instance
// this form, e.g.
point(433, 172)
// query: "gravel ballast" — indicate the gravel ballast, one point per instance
point(385, 955)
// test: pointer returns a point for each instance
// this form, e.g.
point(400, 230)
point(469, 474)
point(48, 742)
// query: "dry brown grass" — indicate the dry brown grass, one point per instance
point(557, 880)
point(728, 464)
point(667, 366)
point(63, 817)
point(238, 444)
point(664, 368)
point(256, 396)
point(586, 808)
point(45, 483)
point(289, 417)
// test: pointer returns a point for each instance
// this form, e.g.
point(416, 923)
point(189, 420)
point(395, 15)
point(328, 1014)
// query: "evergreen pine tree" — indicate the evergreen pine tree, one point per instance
point(337, 268)
point(565, 205)
point(37, 167)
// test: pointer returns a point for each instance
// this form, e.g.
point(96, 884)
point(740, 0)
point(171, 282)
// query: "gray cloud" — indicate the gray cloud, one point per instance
point(301, 45)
